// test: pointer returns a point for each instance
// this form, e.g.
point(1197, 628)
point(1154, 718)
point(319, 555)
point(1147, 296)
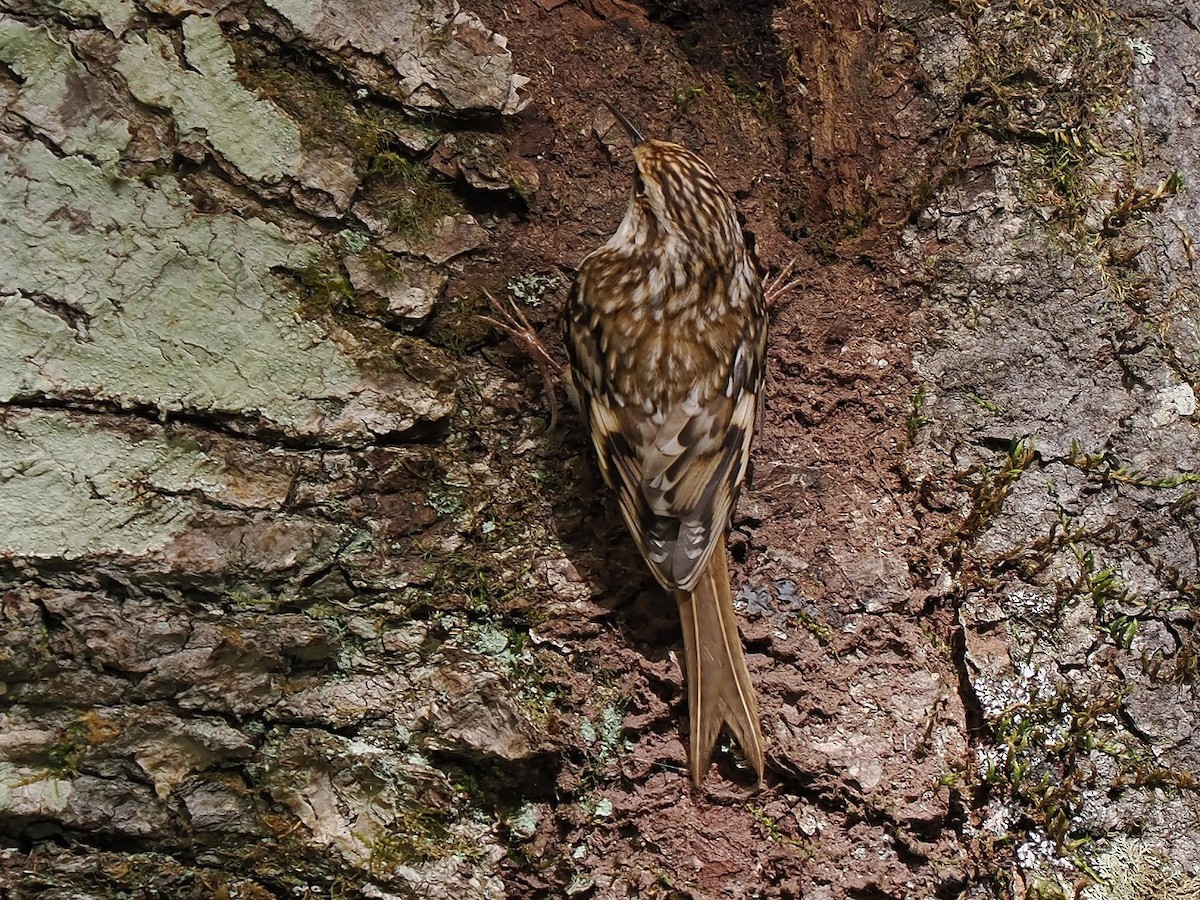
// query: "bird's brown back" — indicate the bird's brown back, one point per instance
point(666, 333)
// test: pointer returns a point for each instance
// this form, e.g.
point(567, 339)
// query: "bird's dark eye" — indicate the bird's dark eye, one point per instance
point(639, 186)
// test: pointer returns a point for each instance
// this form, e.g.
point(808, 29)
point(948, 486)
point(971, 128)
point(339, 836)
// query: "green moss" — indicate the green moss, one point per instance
point(320, 99)
point(1046, 747)
point(257, 601)
point(684, 98)
point(990, 484)
point(1045, 78)
point(759, 97)
point(323, 288)
point(1045, 889)
point(457, 325)
point(1185, 666)
point(1014, 84)
point(382, 266)
point(417, 836)
point(65, 756)
point(916, 418)
point(1107, 469)
point(984, 404)
point(406, 192)
point(472, 579)
point(775, 833)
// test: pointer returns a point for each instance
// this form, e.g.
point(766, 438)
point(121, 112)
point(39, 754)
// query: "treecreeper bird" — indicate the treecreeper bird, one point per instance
point(666, 335)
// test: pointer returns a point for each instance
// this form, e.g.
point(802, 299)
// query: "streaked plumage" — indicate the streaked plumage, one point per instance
point(666, 336)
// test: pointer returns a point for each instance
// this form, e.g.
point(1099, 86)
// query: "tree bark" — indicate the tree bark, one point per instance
point(302, 597)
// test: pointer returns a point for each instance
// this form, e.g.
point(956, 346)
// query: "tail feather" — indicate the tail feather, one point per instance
point(719, 687)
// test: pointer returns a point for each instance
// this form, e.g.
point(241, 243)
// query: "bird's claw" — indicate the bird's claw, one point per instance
point(509, 319)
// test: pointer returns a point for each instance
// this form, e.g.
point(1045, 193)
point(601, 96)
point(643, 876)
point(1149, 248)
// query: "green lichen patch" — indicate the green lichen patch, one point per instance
point(207, 100)
point(70, 491)
point(131, 298)
point(1129, 869)
point(114, 14)
point(56, 86)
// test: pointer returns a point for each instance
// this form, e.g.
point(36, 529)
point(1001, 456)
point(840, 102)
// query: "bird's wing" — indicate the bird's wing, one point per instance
point(693, 468)
point(676, 471)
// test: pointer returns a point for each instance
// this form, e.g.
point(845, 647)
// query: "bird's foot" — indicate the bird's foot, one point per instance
point(776, 287)
point(508, 318)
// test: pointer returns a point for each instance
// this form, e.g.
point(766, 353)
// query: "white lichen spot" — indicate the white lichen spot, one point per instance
point(524, 824)
point(1128, 870)
point(1171, 403)
point(1030, 603)
point(998, 696)
point(1143, 53)
point(1038, 854)
point(532, 289)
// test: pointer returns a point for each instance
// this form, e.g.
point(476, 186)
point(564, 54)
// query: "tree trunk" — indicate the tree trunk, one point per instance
point(302, 596)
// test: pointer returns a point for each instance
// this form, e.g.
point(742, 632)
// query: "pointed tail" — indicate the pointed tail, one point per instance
point(719, 688)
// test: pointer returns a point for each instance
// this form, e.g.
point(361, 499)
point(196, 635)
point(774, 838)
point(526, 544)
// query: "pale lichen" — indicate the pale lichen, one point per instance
point(69, 491)
point(208, 102)
point(1129, 870)
point(50, 73)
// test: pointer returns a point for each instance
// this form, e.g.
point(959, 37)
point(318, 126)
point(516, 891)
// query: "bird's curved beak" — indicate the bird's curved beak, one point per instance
point(634, 135)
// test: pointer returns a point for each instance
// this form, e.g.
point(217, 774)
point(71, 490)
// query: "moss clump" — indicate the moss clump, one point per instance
point(471, 578)
point(1046, 77)
point(323, 288)
point(382, 266)
point(330, 113)
point(315, 95)
point(457, 325)
point(684, 98)
point(1046, 73)
point(406, 192)
point(990, 485)
point(1047, 759)
point(418, 836)
point(65, 756)
point(760, 97)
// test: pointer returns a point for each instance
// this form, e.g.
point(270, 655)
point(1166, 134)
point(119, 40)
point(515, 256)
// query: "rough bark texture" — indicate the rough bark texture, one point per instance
point(301, 598)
